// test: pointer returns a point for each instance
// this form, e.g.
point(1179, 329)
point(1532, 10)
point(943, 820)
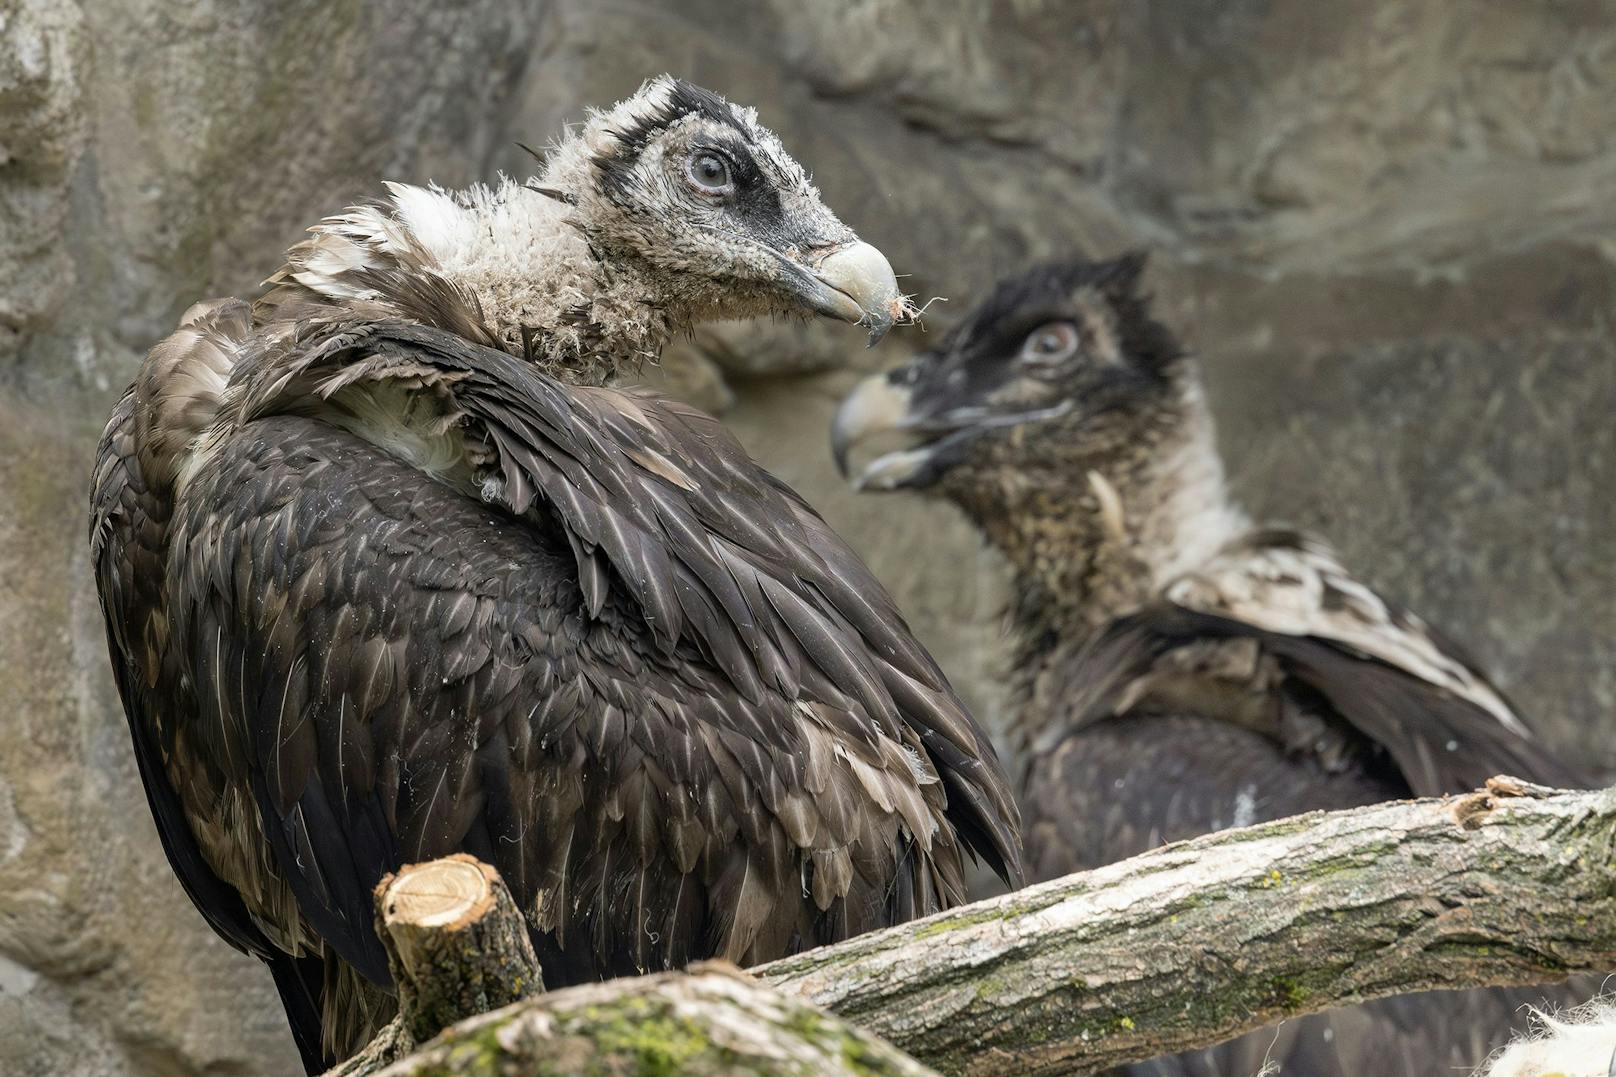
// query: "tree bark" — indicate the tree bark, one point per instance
point(456, 944)
point(1200, 941)
point(1183, 947)
point(713, 1020)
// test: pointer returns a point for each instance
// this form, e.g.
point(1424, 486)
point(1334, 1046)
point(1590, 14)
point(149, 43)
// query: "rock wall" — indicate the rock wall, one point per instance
point(1386, 225)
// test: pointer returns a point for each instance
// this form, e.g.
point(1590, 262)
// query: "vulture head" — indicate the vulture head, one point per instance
point(714, 210)
point(670, 208)
point(1060, 371)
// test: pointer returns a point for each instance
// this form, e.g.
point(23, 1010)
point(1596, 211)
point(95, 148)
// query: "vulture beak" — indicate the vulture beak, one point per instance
point(876, 406)
point(880, 404)
point(853, 282)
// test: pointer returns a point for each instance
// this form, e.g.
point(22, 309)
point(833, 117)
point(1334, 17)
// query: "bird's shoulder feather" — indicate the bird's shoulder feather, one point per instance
point(1318, 640)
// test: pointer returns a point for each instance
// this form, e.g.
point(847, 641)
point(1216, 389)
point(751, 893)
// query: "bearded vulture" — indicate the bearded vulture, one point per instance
point(388, 573)
point(1180, 670)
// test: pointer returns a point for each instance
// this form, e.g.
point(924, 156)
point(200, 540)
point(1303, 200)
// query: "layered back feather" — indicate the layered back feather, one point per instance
point(407, 595)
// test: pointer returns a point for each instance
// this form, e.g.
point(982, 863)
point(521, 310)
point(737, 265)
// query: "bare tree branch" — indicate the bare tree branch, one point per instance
point(715, 1020)
point(1182, 947)
point(1198, 942)
point(456, 943)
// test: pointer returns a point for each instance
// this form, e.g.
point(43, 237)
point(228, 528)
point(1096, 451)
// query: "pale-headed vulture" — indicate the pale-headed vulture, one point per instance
point(1177, 669)
point(388, 574)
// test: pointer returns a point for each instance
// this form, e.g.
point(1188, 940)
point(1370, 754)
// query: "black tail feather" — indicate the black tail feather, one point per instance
point(299, 979)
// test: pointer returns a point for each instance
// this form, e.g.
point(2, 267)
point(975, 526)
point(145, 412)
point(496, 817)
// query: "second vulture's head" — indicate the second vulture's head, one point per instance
point(1061, 372)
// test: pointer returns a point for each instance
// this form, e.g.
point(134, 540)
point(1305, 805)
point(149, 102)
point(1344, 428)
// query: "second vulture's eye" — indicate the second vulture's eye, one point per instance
point(709, 173)
point(1050, 343)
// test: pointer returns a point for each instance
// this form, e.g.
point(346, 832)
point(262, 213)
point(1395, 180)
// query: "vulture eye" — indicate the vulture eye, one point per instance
point(1050, 343)
point(709, 173)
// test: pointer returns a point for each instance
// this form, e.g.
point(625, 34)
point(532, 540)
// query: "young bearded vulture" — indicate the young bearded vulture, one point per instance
point(1179, 670)
point(389, 574)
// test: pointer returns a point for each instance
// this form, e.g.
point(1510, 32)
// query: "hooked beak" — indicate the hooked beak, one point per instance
point(878, 405)
point(875, 406)
point(853, 282)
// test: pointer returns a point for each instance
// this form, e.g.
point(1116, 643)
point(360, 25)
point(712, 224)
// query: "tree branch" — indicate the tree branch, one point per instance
point(1183, 947)
point(715, 1020)
point(1201, 941)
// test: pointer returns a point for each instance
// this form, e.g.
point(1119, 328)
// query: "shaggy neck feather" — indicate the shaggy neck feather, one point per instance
point(541, 288)
point(1094, 538)
point(538, 282)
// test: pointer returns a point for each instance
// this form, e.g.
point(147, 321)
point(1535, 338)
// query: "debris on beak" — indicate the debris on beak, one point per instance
point(855, 283)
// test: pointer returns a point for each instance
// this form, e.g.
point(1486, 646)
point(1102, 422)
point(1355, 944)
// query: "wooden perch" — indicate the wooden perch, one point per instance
point(456, 943)
point(713, 1020)
point(1185, 946)
point(1198, 942)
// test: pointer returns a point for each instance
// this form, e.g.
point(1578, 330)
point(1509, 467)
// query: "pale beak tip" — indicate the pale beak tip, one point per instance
point(861, 273)
point(874, 405)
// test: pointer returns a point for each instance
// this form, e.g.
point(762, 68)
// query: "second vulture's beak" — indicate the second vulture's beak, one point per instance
point(853, 282)
point(876, 405)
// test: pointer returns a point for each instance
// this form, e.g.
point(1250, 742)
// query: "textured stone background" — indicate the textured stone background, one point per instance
point(1387, 225)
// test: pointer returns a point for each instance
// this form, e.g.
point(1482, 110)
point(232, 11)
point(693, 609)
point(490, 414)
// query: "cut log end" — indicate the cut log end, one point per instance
point(456, 943)
point(449, 894)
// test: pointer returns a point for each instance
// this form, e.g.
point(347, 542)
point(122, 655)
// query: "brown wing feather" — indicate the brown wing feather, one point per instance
point(129, 519)
point(572, 753)
point(1290, 584)
point(127, 544)
point(711, 548)
point(577, 634)
point(1332, 643)
point(1104, 787)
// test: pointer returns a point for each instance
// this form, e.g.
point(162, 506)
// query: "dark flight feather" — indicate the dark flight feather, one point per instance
point(603, 650)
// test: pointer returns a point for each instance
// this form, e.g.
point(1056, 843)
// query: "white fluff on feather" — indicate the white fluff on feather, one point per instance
point(1577, 1043)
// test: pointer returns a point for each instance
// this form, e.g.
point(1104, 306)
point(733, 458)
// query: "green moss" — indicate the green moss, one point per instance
point(806, 1023)
point(477, 1053)
point(860, 1056)
point(658, 1044)
point(955, 921)
point(1278, 828)
point(1292, 993)
point(990, 985)
point(1359, 859)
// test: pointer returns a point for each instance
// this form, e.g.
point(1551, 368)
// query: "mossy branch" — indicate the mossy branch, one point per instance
point(1183, 947)
point(713, 1020)
point(1198, 942)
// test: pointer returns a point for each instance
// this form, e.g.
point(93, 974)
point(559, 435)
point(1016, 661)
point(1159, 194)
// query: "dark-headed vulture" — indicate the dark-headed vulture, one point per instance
point(389, 574)
point(1178, 669)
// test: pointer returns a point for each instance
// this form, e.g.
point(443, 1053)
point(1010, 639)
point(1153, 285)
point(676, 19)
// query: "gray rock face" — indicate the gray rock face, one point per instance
point(1387, 226)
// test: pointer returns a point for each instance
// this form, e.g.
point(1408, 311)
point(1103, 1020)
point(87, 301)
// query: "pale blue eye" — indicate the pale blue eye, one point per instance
point(709, 172)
